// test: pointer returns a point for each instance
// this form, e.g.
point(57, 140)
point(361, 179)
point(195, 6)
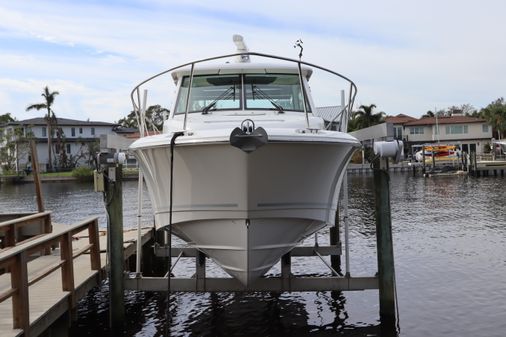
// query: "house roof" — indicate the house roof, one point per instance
point(445, 120)
point(399, 119)
point(328, 112)
point(61, 122)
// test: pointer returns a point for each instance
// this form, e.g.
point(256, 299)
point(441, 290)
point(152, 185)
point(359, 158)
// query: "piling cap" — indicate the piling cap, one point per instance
point(391, 149)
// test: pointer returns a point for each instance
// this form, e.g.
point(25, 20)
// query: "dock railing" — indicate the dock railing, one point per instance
point(16, 259)
point(11, 229)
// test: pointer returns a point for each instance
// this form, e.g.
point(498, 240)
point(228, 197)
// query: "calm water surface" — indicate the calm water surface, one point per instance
point(450, 256)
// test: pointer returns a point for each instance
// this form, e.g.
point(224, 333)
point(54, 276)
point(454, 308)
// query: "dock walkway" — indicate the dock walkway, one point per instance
point(48, 286)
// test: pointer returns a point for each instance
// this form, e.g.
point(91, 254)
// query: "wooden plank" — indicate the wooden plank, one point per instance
point(7, 294)
point(81, 251)
point(46, 272)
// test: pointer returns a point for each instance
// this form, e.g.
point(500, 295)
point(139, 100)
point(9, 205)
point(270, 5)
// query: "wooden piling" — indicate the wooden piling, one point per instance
point(36, 177)
point(114, 206)
point(386, 270)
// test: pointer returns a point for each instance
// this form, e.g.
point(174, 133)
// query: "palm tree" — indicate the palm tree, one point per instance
point(49, 117)
point(364, 117)
point(495, 115)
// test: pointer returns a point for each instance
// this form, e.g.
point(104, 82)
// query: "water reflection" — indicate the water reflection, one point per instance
point(226, 314)
point(449, 239)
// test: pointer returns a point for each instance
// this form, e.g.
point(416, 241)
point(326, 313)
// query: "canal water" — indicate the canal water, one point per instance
point(450, 257)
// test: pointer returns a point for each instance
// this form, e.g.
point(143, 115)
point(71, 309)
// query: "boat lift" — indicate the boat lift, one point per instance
point(383, 280)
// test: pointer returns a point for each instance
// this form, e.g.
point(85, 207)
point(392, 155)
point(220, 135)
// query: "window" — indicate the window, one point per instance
point(68, 148)
point(484, 128)
point(416, 130)
point(73, 132)
point(44, 131)
point(210, 92)
point(224, 92)
point(397, 132)
point(93, 131)
point(80, 131)
point(273, 92)
point(456, 129)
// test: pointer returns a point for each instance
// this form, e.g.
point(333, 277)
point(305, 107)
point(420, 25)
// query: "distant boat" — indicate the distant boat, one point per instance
point(255, 171)
point(439, 152)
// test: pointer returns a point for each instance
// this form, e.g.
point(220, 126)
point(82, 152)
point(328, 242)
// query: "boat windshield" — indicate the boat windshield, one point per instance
point(281, 92)
point(210, 92)
point(273, 91)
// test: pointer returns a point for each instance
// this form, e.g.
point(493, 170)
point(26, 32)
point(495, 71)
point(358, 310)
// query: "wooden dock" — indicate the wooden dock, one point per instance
point(45, 276)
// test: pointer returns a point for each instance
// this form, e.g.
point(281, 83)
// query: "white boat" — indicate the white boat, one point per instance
point(255, 171)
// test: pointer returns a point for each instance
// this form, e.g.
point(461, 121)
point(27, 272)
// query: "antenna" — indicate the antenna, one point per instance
point(241, 48)
point(299, 43)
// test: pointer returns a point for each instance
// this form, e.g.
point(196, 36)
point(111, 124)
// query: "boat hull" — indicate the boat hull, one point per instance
point(246, 210)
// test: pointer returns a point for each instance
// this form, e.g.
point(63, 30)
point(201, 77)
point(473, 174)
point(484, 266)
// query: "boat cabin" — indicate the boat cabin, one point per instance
point(230, 88)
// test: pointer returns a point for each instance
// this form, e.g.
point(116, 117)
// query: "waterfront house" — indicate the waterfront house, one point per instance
point(472, 134)
point(73, 141)
point(398, 124)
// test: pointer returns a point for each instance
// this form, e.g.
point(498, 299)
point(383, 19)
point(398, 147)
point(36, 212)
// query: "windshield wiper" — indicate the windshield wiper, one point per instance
point(263, 95)
point(224, 95)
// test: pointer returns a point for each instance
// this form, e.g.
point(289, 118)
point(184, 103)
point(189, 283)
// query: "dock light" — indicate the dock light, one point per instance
point(389, 149)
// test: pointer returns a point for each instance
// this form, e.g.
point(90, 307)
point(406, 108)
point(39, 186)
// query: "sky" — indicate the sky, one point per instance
point(405, 56)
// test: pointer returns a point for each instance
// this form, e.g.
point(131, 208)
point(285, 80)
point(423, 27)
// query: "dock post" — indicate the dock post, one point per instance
point(114, 206)
point(36, 177)
point(386, 270)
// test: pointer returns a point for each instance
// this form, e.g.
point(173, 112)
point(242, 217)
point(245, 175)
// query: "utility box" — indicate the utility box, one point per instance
point(98, 180)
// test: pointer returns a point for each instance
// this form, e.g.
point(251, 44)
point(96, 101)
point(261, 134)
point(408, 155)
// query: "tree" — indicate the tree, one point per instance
point(495, 115)
point(466, 109)
point(365, 117)
point(15, 146)
point(49, 117)
point(6, 118)
point(428, 114)
point(154, 117)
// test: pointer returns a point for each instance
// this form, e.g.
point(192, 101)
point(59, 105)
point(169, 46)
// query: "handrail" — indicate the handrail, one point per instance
point(16, 260)
point(351, 97)
point(23, 220)
point(10, 227)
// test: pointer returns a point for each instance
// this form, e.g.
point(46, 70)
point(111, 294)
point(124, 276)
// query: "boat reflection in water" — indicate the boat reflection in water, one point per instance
point(227, 314)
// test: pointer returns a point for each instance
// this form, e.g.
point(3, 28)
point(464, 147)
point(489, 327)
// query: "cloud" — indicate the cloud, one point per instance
point(405, 57)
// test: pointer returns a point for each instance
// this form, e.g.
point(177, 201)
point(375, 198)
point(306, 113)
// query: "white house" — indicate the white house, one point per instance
point(74, 143)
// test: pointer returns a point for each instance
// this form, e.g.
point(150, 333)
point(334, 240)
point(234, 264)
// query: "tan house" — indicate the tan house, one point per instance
point(398, 124)
point(471, 133)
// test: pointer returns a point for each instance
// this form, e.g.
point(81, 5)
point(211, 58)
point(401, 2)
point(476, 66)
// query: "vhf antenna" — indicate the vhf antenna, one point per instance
point(299, 43)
